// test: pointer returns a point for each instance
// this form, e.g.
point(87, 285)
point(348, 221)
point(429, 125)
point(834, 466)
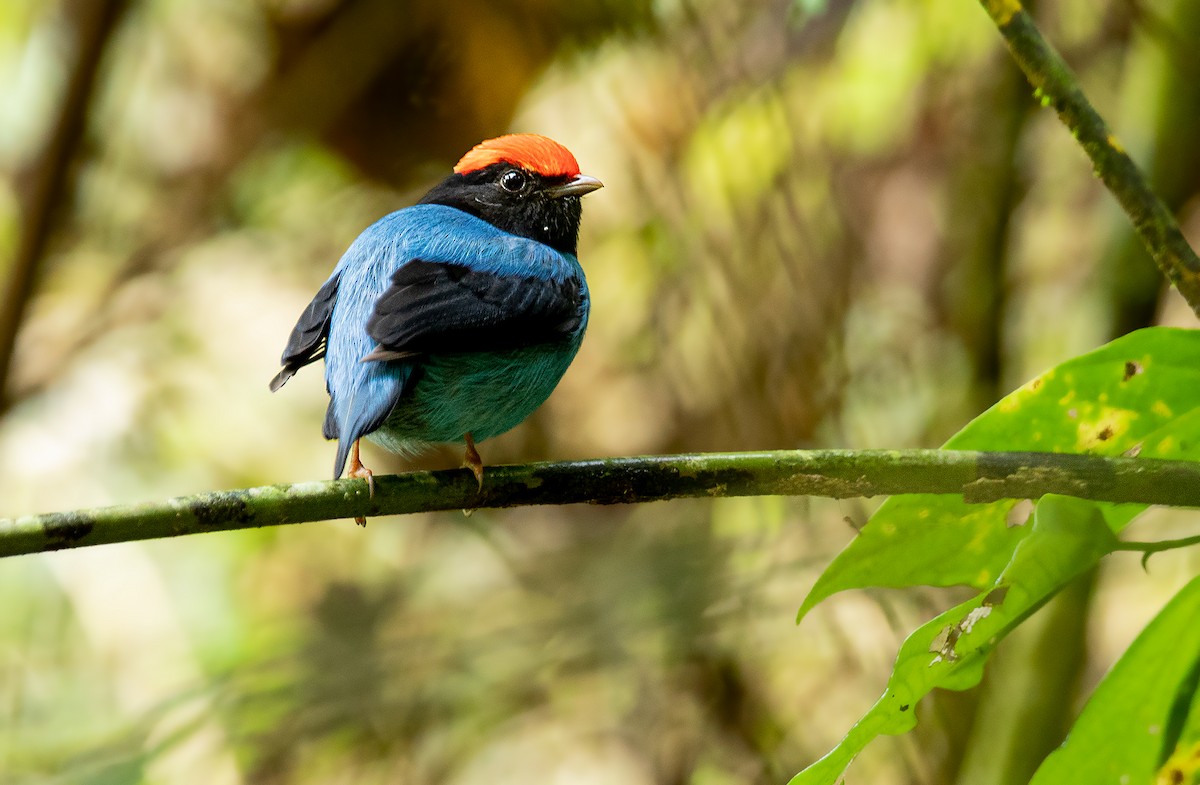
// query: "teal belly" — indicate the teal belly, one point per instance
point(482, 394)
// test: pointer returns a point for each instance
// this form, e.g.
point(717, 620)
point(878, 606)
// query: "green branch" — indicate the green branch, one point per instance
point(1152, 221)
point(978, 476)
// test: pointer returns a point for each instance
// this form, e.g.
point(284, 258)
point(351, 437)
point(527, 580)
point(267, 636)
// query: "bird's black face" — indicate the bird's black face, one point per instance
point(513, 199)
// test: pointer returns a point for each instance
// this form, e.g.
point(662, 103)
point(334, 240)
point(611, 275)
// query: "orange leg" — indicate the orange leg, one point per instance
point(472, 460)
point(357, 470)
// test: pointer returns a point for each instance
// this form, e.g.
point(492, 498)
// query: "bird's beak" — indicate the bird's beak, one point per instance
point(578, 186)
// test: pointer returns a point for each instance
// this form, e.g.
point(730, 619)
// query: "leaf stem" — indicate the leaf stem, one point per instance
point(1148, 549)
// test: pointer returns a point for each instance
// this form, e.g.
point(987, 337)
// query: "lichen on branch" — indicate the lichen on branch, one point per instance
point(978, 476)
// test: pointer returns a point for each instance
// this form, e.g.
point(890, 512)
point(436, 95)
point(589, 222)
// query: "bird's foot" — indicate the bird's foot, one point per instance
point(363, 473)
point(360, 472)
point(472, 460)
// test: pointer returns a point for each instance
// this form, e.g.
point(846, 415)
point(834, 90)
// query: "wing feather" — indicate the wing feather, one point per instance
point(444, 307)
point(307, 341)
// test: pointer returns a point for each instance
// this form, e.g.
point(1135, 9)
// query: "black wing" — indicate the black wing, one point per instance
point(440, 307)
point(307, 341)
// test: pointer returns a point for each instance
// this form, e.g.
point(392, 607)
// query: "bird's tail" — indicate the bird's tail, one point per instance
point(370, 400)
point(343, 452)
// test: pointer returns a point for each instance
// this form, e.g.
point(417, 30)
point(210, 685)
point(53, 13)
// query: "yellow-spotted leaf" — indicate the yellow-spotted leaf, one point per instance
point(1135, 396)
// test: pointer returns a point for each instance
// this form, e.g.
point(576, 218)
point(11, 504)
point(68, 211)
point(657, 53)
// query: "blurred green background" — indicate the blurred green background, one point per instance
point(841, 223)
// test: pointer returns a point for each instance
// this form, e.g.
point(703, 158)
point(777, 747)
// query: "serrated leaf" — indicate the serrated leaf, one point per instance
point(1134, 395)
point(1067, 538)
point(1130, 729)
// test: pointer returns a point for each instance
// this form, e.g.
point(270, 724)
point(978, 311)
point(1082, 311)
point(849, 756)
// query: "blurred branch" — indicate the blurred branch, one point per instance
point(839, 474)
point(1049, 74)
point(42, 184)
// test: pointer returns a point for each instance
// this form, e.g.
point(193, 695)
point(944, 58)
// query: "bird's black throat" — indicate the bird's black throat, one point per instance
point(527, 211)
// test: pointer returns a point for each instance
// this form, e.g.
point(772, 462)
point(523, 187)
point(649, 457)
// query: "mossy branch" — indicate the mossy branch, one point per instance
point(978, 476)
point(1053, 80)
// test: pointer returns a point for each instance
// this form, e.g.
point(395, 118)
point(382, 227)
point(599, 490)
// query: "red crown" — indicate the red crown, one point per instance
point(536, 153)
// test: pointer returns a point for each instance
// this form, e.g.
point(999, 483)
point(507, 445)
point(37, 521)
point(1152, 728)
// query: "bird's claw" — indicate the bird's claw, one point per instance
point(363, 473)
point(360, 472)
point(472, 461)
point(478, 472)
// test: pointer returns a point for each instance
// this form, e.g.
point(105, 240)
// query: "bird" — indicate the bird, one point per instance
point(452, 320)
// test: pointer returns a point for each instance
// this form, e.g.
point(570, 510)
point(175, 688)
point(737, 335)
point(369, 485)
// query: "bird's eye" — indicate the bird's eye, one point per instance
point(512, 181)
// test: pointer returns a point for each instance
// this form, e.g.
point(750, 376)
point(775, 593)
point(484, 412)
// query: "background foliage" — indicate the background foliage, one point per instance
point(838, 224)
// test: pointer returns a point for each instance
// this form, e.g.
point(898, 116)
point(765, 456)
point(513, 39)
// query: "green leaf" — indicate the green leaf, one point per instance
point(1137, 727)
point(1136, 394)
point(1067, 538)
point(1183, 766)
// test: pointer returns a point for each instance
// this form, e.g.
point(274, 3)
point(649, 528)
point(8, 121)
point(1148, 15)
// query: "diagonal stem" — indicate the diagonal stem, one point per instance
point(1058, 87)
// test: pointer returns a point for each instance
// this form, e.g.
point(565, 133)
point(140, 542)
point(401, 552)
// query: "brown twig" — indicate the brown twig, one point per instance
point(42, 184)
